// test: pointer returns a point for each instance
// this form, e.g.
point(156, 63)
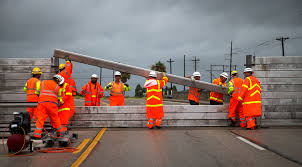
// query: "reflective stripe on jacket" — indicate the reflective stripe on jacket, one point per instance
point(91, 91)
point(32, 89)
point(218, 97)
point(194, 94)
point(49, 92)
point(235, 87)
point(154, 92)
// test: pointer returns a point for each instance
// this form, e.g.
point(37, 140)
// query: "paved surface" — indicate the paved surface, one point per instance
point(131, 147)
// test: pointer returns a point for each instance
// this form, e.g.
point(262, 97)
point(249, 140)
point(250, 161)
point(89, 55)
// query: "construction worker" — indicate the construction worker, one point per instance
point(217, 98)
point(66, 72)
point(194, 93)
point(117, 88)
point(32, 89)
point(234, 90)
point(92, 91)
point(154, 102)
point(250, 96)
point(48, 106)
point(66, 109)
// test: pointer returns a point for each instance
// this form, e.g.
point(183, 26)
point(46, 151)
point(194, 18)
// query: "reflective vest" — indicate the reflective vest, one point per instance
point(32, 89)
point(91, 91)
point(65, 97)
point(251, 96)
point(116, 89)
point(194, 94)
point(67, 75)
point(154, 92)
point(49, 92)
point(218, 97)
point(235, 86)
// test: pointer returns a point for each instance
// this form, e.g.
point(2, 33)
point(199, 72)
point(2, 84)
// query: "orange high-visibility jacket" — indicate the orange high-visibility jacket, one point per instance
point(235, 85)
point(32, 89)
point(194, 94)
point(218, 97)
point(154, 97)
point(65, 97)
point(116, 89)
point(251, 97)
point(67, 75)
point(92, 91)
point(49, 92)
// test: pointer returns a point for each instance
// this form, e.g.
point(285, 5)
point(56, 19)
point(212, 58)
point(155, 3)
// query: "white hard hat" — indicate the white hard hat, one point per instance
point(248, 70)
point(94, 76)
point(224, 74)
point(60, 78)
point(153, 74)
point(196, 74)
point(117, 73)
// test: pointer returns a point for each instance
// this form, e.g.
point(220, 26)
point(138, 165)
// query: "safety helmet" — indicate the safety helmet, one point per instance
point(224, 74)
point(196, 74)
point(60, 78)
point(36, 70)
point(152, 74)
point(61, 66)
point(117, 73)
point(234, 72)
point(248, 70)
point(94, 76)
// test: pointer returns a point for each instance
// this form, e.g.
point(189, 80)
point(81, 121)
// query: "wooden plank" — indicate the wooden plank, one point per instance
point(15, 83)
point(25, 68)
point(12, 90)
point(12, 97)
point(282, 95)
point(18, 105)
point(281, 88)
point(165, 123)
point(283, 81)
point(282, 108)
point(278, 74)
point(142, 109)
point(281, 122)
point(279, 60)
point(23, 76)
point(135, 70)
point(278, 67)
point(279, 102)
point(27, 61)
point(6, 110)
point(142, 117)
point(282, 115)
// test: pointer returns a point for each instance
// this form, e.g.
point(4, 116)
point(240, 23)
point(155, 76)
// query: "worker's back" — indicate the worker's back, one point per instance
point(49, 92)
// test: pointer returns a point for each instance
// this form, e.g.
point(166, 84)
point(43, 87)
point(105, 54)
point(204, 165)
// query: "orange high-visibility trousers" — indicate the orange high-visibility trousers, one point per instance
point(236, 105)
point(250, 122)
point(45, 110)
point(32, 112)
point(116, 100)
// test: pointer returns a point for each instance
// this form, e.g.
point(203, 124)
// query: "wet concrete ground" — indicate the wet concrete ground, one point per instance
point(220, 146)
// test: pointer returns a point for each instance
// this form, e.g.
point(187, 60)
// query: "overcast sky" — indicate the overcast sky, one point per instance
point(141, 32)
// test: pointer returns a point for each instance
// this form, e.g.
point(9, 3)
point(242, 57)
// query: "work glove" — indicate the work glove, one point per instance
point(67, 58)
point(164, 74)
point(192, 78)
point(109, 86)
point(126, 85)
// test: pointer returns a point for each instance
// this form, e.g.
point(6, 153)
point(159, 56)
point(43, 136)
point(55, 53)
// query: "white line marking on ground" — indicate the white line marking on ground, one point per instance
point(250, 143)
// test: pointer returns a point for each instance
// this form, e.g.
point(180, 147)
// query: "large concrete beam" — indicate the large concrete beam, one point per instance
point(135, 70)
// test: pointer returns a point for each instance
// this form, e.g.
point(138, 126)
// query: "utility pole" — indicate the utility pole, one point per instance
point(231, 55)
point(195, 62)
point(282, 39)
point(170, 62)
point(211, 73)
point(100, 74)
point(184, 70)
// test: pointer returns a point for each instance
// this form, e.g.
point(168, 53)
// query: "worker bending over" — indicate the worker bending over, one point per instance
point(234, 90)
point(250, 96)
point(217, 98)
point(66, 72)
point(117, 88)
point(92, 91)
point(32, 89)
point(194, 93)
point(66, 108)
point(154, 102)
point(48, 107)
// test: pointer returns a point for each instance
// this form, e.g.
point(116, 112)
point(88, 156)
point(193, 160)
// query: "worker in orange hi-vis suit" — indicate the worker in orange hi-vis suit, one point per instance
point(250, 97)
point(194, 93)
point(66, 72)
point(234, 90)
point(116, 90)
point(32, 89)
point(66, 110)
point(217, 98)
point(48, 107)
point(93, 92)
point(154, 102)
